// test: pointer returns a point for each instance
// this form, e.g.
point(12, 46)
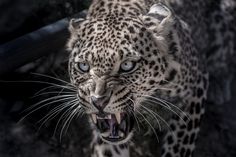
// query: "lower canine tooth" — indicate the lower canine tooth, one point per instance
point(106, 134)
point(94, 117)
point(118, 117)
point(121, 134)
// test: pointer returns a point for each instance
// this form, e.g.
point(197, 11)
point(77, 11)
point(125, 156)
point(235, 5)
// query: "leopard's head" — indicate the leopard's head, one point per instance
point(116, 63)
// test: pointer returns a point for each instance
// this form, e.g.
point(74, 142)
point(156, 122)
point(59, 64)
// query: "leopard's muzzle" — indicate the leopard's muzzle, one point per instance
point(113, 127)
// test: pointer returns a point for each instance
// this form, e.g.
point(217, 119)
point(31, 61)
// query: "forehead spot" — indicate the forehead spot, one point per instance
point(130, 52)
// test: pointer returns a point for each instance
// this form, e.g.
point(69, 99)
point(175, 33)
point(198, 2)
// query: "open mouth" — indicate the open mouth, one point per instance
point(113, 128)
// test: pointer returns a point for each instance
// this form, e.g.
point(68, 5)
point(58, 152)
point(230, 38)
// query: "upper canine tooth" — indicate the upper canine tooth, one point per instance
point(118, 117)
point(94, 117)
point(109, 116)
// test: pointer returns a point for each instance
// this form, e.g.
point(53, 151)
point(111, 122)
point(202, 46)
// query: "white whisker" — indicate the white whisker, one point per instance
point(59, 98)
point(132, 112)
point(60, 119)
point(149, 124)
point(155, 114)
point(53, 92)
point(54, 78)
point(55, 111)
point(67, 98)
point(68, 121)
point(167, 106)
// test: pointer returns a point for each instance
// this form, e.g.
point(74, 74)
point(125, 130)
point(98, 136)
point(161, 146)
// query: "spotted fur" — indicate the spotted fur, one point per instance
point(167, 44)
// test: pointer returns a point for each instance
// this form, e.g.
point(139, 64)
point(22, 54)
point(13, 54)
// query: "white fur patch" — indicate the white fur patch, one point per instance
point(77, 59)
point(159, 9)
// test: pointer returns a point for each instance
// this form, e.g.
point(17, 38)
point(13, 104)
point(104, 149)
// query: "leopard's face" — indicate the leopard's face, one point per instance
point(115, 64)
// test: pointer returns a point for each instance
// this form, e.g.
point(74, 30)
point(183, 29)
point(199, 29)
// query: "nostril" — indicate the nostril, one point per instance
point(96, 100)
point(99, 102)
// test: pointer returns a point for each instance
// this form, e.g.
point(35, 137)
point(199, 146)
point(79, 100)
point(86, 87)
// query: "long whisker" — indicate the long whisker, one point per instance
point(68, 121)
point(78, 111)
point(160, 103)
point(179, 109)
point(60, 119)
point(52, 92)
point(44, 89)
point(167, 106)
point(58, 98)
point(54, 78)
point(132, 112)
point(62, 99)
point(50, 117)
point(151, 112)
point(149, 124)
point(155, 114)
point(157, 99)
point(68, 84)
point(63, 120)
point(55, 111)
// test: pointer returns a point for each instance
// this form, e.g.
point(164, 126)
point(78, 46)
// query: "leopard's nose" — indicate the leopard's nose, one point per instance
point(100, 102)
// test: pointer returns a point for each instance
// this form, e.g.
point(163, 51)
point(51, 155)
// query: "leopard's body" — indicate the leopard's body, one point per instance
point(167, 45)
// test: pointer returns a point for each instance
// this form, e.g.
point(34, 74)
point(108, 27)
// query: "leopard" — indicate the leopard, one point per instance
point(141, 69)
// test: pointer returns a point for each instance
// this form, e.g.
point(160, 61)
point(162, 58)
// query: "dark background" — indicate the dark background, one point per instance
point(18, 17)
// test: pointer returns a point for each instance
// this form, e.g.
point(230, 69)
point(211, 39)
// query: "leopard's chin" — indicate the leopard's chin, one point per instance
point(114, 128)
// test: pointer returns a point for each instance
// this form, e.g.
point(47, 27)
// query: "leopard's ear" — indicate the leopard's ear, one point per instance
point(159, 19)
point(75, 23)
point(74, 26)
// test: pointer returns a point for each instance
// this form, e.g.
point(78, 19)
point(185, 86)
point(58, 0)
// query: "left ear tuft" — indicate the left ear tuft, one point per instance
point(74, 24)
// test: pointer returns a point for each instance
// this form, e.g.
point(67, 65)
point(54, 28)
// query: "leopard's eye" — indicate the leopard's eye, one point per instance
point(82, 66)
point(127, 66)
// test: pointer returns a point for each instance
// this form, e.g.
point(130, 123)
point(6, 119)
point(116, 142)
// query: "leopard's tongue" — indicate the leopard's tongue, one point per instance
point(113, 126)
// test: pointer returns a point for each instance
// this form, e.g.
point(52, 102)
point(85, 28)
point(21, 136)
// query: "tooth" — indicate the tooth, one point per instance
point(118, 117)
point(106, 134)
point(121, 134)
point(109, 116)
point(94, 117)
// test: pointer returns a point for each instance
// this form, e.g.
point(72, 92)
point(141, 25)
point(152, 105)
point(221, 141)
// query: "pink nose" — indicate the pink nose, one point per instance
point(100, 102)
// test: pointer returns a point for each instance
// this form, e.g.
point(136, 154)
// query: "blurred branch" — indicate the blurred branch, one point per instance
point(32, 46)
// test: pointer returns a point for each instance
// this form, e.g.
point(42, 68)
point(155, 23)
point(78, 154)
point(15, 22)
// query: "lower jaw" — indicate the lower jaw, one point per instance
point(117, 142)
